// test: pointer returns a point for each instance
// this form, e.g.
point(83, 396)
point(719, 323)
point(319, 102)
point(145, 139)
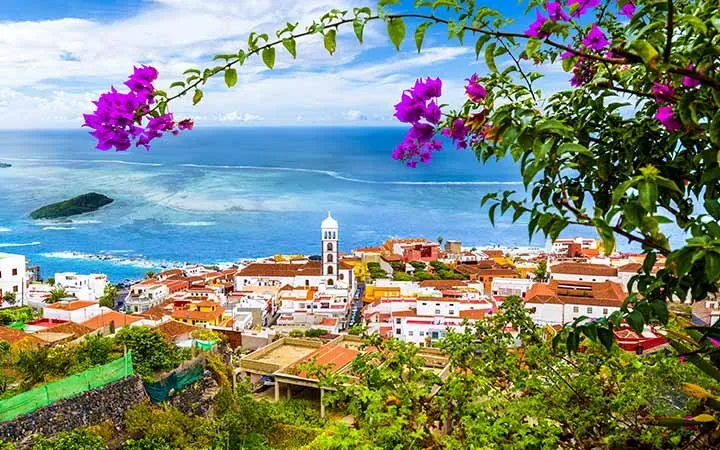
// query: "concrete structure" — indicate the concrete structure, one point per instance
point(560, 302)
point(329, 243)
point(260, 306)
point(562, 246)
point(13, 277)
point(90, 287)
point(77, 311)
point(505, 287)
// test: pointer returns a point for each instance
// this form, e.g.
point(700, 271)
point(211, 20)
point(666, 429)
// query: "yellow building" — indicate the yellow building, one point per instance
point(199, 313)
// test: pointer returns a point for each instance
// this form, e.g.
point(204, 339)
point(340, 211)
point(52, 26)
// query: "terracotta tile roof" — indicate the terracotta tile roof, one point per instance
point(281, 269)
point(73, 328)
point(72, 306)
point(329, 322)
point(12, 336)
point(493, 253)
point(607, 293)
point(483, 270)
point(156, 312)
point(630, 267)
point(584, 269)
point(170, 273)
point(473, 314)
point(103, 320)
point(172, 329)
point(392, 257)
point(198, 315)
point(333, 356)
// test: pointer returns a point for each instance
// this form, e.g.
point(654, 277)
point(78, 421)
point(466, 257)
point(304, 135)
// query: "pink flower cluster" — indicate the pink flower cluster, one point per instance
point(117, 120)
point(418, 106)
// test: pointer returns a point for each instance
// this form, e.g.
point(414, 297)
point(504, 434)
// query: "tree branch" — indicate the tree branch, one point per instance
point(520, 69)
point(670, 24)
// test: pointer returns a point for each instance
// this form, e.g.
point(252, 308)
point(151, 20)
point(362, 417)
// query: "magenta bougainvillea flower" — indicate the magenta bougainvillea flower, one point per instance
point(715, 342)
point(117, 120)
point(583, 6)
point(474, 90)
point(664, 93)
point(186, 124)
point(595, 39)
point(417, 104)
point(628, 9)
point(583, 71)
point(689, 82)
point(534, 28)
point(666, 117)
point(556, 12)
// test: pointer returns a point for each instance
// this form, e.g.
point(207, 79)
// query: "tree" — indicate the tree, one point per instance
point(74, 440)
point(57, 294)
point(149, 274)
point(9, 298)
point(440, 240)
point(109, 296)
point(401, 276)
point(51, 281)
point(629, 145)
point(541, 272)
point(151, 352)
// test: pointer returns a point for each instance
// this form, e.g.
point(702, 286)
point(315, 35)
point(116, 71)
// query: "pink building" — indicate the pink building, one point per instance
point(420, 251)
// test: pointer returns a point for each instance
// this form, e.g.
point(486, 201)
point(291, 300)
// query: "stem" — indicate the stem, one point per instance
point(668, 42)
point(520, 69)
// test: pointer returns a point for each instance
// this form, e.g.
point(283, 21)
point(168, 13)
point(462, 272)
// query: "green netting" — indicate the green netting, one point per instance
point(160, 391)
point(17, 326)
point(204, 345)
point(67, 387)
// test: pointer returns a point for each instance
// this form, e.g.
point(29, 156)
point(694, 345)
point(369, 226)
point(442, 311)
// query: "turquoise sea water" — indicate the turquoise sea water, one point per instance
point(220, 195)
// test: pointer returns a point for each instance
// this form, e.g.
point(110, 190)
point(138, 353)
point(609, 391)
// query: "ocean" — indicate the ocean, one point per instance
point(220, 195)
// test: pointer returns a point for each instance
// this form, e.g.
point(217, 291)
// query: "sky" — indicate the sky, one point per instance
point(56, 56)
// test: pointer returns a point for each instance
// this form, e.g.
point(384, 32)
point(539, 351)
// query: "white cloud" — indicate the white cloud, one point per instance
point(354, 114)
point(235, 117)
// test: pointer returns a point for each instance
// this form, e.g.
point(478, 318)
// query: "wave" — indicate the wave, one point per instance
point(5, 230)
point(23, 244)
point(64, 222)
point(59, 228)
point(135, 261)
point(337, 176)
point(191, 224)
point(97, 161)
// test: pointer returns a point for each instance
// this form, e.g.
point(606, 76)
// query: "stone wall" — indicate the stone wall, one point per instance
point(89, 408)
point(197, 398)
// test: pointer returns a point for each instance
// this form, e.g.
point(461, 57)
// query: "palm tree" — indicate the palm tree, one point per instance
point(149, 274)
point(57, 294)
point(109, 296)
point(440, 240)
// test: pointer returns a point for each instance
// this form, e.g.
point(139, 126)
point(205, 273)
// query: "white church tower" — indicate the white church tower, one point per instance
point(329, 230)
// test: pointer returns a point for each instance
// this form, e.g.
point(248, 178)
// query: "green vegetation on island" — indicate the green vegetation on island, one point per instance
point(77, 205)
point(5, 165)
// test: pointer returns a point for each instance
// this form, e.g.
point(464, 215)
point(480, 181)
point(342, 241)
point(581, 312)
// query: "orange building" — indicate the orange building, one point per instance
point(199, 313)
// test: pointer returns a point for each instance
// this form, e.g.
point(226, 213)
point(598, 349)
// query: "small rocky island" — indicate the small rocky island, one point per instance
point(4, 165)
point(77, 205)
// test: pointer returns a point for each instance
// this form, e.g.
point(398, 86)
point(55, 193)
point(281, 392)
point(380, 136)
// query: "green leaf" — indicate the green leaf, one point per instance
point(330, 41)
point(195, 71)
point(606, 234)
point(491, 213)
point(605, 336)
point(532, 47)
point(621, 190)
point(636, 321)
point(396, 31)
point(358, 26)
point(645, 51)
point(230, 77)
point(712, 206)
point(573, 148)
point(289, 45)
point(715, 129)
point(648, 195)
point(712, 266)
point(177, 84)
point(490, 57)
point(420, 34)
point(479, 44)
point(268, 57)
point(197, 96)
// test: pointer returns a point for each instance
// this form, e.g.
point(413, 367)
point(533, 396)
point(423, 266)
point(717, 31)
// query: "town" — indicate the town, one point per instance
point(413, 290)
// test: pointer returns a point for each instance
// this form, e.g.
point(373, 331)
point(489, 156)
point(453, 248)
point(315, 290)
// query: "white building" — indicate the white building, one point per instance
point(562, 245)
point(594, 273)
point(432, 318)
point(560, 302)
point(260, 306)
point(90, 287)
point(13, 277)
point(77, 311)
point(505, 287)
point(328, 273)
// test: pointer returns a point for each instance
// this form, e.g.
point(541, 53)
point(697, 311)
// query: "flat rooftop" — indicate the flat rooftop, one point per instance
point(278, 355)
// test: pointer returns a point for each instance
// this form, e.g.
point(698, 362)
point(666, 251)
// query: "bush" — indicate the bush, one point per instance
point(151, 352)
point(74, 440)
point(315, 332)
point(15, 314)
point(402, 276)
point(296, 333)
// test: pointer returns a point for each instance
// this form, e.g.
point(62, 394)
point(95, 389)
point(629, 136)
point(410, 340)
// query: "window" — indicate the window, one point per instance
point(437, 304)
point(341, 277)
point(589, 309)
point(451, 312)
point(435, 335)
point(329, 246)
point(576, 309)
point(330, 257)
point(330, 270)
point(422, 333)
point(330, 282)
point(437, 311)
point(398, 320)
point(410, 333)
point(452, 305)
point(424, 304)
point(605, 311)
point(15, 288)
point(14, 272)
point(398, 331)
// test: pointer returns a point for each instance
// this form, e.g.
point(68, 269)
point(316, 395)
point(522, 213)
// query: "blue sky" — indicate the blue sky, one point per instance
point(57, 55)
